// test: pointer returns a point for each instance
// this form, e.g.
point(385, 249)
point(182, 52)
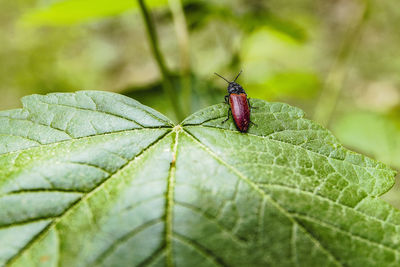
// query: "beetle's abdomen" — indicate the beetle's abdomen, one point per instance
point(240, 111)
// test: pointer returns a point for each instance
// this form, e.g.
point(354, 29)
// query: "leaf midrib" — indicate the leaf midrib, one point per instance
point(170, 202)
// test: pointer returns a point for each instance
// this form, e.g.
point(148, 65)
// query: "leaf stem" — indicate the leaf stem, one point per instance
point(182, 35)
point(334, 83)
point(154, 43)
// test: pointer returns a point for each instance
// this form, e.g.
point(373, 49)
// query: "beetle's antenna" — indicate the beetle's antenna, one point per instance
point(222, 77)
point(238, 75)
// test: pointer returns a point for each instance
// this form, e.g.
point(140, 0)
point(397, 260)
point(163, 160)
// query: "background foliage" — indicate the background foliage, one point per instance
point(337, 59)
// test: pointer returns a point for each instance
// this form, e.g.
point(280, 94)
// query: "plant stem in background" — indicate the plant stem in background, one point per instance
point(184, 48)
point(167, 82)
point(334, 82)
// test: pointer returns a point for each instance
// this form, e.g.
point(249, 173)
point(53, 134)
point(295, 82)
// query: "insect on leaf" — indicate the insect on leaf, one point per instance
point(97, 179)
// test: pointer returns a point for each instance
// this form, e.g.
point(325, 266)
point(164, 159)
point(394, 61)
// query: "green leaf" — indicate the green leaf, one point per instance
point(75, 11)
point(95, 178)
point(375, 134)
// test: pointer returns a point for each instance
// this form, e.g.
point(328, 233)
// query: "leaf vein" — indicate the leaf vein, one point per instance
point(300, 147)
point(23, 137)
point(322, 198)
point(86, 196)
point(121, 240)
point(91, 110)
point(84, 137)
point(338, 229)
point(206, 253)
point(262, 193)
point(212, 219)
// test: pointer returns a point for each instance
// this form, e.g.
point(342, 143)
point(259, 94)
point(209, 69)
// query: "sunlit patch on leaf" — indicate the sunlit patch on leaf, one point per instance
point(74, 11)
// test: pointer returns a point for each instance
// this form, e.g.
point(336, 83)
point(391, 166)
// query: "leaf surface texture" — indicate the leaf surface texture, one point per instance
point(97, 179)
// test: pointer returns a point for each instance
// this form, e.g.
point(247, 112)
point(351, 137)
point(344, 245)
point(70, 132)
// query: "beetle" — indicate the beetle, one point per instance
point(239, 105)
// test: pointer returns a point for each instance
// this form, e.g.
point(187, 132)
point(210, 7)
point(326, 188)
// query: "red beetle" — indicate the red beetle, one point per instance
point(239, 104)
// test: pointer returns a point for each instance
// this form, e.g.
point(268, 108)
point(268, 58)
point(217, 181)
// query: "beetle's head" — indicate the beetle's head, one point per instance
point(233, 87)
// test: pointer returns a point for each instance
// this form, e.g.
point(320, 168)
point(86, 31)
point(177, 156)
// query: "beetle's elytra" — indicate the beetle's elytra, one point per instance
point(239, 105)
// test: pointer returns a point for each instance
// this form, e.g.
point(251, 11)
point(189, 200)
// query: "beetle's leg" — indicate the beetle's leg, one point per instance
point(250, 106)
point(253, 123)
point(229, 113)
point(226, 99)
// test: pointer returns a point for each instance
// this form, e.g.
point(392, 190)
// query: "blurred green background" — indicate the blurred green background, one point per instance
point(339, 60)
